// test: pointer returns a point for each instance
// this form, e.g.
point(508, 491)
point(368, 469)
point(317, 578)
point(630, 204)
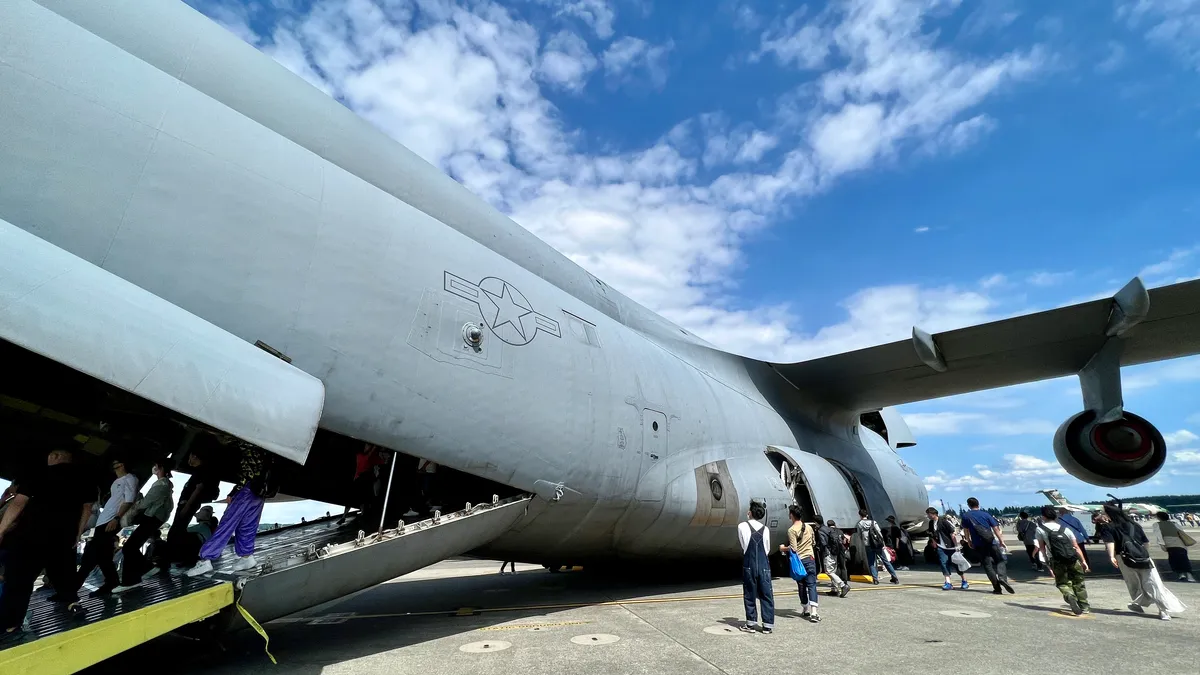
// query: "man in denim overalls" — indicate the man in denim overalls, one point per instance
point(756, 571)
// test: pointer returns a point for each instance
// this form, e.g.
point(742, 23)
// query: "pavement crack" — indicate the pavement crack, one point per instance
point(668, 636)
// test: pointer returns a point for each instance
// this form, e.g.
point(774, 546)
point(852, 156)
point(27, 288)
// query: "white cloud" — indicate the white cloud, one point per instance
point(993, 281)
point(1180, 265)
point(1114, 59)
point(805, 46)
point(892, 83)
point(629, 56)
point(955, 423)
point(1016, 473)
point(1183, 437)
point(1049, 278)
point(989, 17)
point(566, 61)
point(1173, 25)
point(921, 230)
point(1185, 457)
point(598, 14)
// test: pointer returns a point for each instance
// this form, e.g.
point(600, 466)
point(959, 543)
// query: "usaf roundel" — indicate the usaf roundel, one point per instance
point(504, 309)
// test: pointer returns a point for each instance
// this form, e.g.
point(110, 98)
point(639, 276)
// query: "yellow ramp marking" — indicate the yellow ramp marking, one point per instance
point(91, 643)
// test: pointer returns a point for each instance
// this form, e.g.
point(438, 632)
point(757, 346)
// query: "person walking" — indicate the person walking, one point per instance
point(153, 510)
point(241, 516)
point(1027, 533)
point(1125, 541)
point(40, 529)
point(941, 532)
point(898, 539)
point(987, 540)
point(756, 570)
point(872, 539)
point(1176, 543)
point(831, 549)
point(100, 549)
point(1057, 544)
point(1067, 518)
point(801, 541)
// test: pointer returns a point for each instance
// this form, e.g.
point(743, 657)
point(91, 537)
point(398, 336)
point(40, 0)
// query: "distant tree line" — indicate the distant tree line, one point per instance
point(1165, 501)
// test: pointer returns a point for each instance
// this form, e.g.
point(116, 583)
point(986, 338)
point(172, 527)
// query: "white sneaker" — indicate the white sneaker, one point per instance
point(130, 587)
point(244, 564)
point(202, 567)
point(1164, 616)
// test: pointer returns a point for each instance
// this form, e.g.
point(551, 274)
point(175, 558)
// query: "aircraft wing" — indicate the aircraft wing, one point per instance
point(1011, 351)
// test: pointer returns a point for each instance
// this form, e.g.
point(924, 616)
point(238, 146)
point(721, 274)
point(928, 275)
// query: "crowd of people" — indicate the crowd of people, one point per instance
point(1055, 541)
point(46, 515)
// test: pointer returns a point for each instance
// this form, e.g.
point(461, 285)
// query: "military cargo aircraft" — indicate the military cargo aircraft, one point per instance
point(1056, 498)
point(192, 238)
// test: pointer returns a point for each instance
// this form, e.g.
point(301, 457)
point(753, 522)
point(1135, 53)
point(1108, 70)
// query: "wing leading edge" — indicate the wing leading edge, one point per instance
point(1033, 347)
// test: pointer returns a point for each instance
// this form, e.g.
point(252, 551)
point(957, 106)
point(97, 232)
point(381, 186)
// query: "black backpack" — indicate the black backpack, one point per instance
point(1133, 552)
point(831, 541)
point(874, 536)
point(1062, 549)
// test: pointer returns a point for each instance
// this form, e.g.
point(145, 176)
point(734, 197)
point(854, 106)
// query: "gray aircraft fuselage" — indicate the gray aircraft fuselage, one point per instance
point(146, 140)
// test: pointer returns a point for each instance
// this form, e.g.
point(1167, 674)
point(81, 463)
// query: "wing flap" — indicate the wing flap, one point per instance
point(1026, 348)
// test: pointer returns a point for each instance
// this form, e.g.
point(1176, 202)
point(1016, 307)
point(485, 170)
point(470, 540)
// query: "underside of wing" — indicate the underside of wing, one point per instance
point(1011, 351)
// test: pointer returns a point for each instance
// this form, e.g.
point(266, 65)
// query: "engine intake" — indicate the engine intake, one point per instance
point(1111, 454)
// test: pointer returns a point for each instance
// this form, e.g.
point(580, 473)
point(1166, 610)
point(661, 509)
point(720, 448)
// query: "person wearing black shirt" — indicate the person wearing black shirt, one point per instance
point(39, 531)
point(203, 486)
point(1125, 542)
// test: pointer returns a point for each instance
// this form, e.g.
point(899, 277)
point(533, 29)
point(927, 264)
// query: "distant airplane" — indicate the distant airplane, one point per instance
point(1058, 499)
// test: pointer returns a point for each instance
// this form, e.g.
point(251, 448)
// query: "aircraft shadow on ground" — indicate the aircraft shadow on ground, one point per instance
point(380, 623)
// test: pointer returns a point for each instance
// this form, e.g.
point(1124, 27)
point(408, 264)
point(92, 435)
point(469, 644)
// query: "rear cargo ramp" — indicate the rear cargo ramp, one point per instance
point(335, 571)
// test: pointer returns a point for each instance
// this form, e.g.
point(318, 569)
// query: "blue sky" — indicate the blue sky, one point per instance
point(791, 180)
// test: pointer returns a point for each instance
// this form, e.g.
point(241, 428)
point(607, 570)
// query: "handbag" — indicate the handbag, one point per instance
point(798, 571)
point(889, 553)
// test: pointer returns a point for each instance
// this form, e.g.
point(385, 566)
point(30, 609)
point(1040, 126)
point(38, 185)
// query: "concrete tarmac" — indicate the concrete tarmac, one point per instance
point(462, 617)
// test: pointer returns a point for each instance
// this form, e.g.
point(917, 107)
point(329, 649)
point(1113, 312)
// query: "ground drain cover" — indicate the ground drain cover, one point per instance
point(722, 630)
point(964, 614)
point(485, 647)
point(596, 639)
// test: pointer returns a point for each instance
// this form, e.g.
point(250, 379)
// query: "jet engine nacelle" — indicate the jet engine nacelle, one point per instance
point(1123, 452)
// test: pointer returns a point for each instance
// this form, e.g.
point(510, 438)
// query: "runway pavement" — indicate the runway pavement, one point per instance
point(461, 616)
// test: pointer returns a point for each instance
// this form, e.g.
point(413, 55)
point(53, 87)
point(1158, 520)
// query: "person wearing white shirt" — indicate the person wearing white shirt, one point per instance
point(1175, 542)
point(755, 540)
point(103, 544)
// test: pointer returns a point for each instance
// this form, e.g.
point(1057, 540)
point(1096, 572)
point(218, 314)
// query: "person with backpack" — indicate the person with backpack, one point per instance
point(243, 513)
point(987, 540)
point(1027, 533)
point(802, 542)
point(1126, 542)
point(942, 535)
point(1065, 517)
point(756, 570)
point(1176, 543)
point(1057, 543)
point(832, 551)
point(872, 539)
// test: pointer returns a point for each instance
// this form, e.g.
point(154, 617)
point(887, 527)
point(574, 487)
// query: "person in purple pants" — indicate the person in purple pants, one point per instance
point(241, 516)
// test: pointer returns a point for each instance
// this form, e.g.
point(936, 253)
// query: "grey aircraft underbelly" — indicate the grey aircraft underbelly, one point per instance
point(148, 142)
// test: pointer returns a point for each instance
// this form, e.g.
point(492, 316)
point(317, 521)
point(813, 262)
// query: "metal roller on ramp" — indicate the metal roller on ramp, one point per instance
point(319, 574)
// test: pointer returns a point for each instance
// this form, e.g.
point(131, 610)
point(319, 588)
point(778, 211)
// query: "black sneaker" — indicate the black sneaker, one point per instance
point(997, 591)
point(815, 619)
point(102, 592)
point(747, 628)
point(1074, 604)
point(895, 580)
point(767, 631)
point(1007, 587)
point(845, 590)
